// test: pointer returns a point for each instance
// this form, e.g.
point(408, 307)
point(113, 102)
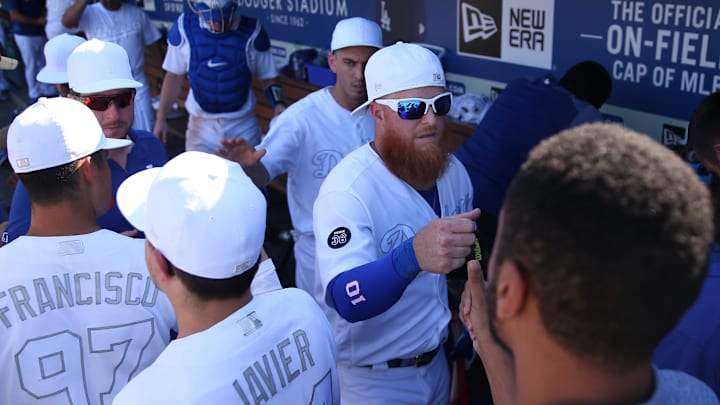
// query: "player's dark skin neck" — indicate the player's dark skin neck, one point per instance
point(567, 379)
point(69, 217)
point(617, 390)
point(196, 315)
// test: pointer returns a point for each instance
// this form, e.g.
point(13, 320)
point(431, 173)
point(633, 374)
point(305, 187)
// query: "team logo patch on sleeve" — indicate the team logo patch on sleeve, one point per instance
point(338, 238)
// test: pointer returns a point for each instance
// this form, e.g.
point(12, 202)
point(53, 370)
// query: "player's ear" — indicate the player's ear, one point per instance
point(332, 61)
point(157, 263)
point(716, 149)
point(377, 112)
point(512, 292)
point(84, 170)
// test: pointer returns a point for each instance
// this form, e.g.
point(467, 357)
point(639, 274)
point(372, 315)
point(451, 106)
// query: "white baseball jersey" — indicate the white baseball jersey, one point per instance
point(55, 10)
point(205, 129)
point(266, 278)
point(79, 317)
point(277, 349)
point(132, 29)
point(306, 141)
point(362, 213)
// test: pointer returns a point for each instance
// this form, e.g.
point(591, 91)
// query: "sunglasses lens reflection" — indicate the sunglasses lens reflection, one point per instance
point(101, 103)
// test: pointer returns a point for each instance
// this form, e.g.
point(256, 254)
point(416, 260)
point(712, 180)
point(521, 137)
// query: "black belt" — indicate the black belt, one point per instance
point(417, 361)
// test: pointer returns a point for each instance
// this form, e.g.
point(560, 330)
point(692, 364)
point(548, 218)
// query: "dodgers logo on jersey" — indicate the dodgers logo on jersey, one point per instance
point(395, 236)
point(338, 238)
point(324, 161)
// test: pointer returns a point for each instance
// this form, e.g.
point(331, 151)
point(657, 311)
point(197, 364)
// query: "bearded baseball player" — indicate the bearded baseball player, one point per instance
point(391, 219)
point(205, 224)
point(79, 314)
point(313, 135)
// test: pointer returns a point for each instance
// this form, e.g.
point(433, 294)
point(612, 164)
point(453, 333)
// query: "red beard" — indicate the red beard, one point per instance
point(418, 166)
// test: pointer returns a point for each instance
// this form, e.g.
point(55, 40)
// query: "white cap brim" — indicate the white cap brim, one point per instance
point(362, 108)
point(112, 143)
point(46, 75)
point(132, 196)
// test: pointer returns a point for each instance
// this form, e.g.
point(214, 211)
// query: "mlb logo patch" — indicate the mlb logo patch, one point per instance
point(22, 163)
point(437, 77)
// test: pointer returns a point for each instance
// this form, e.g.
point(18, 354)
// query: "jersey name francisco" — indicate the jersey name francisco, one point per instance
point(21, 302)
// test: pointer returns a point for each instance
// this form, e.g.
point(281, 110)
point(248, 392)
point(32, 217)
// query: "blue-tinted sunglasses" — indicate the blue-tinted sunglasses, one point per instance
point(415, 108)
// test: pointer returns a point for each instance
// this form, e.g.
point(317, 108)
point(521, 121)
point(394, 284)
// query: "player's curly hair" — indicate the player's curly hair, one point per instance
point(612, 233)
point(55, 184)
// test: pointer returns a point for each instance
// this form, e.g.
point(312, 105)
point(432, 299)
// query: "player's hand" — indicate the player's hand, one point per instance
point(160, 129)
point(239, 150)
point(443, 244)
point(473, 305)
point(473, 313)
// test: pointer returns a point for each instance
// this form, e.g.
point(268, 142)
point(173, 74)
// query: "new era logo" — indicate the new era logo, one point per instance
point(673, 135)
point(239, 268)
point(476, 24)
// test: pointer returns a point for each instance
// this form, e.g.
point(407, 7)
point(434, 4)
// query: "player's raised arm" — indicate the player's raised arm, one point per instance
point(440, 247)
point(242, 152)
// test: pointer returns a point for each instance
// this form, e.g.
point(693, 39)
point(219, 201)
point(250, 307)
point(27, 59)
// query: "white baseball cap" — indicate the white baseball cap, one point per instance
point(356, 31)
point(399, 67)
point(202, 212)
point(96, 66)
point(53, 132)
point(57, 50)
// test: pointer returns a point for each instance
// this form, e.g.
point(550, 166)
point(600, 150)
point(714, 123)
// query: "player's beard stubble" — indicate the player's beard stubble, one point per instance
point(416, 165)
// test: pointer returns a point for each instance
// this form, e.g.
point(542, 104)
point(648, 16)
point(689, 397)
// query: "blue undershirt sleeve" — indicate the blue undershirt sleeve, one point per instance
point(370, 289)
point(19, 216)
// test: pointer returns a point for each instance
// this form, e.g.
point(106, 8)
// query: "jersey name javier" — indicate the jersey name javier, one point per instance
point(275, 369)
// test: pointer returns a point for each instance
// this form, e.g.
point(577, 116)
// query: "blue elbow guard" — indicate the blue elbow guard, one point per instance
point(274, 95)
